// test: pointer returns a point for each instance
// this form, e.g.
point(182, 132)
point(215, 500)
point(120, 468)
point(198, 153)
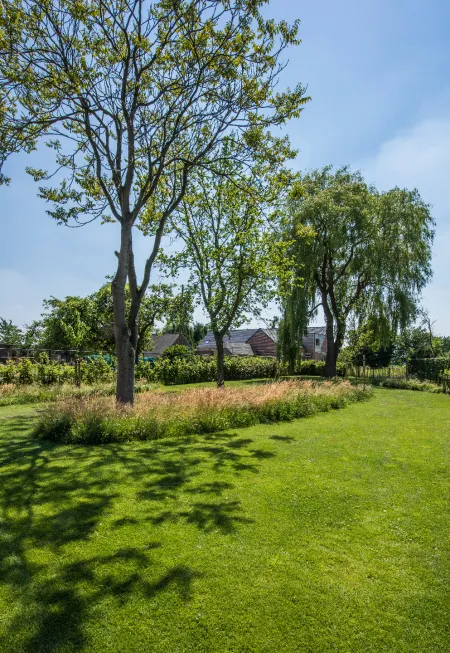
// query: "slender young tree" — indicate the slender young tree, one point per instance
point(225, 225)
point(133, 97)
point(369, 259)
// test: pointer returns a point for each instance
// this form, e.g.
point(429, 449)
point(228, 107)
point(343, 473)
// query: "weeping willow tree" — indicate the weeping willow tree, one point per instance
point(369, 259)
point(292, 328)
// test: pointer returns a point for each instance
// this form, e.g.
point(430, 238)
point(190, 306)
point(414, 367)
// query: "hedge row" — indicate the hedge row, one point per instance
point(48, 372)
point(429, 369)
point(406, 384)
point(198, 369)
point(166, 370)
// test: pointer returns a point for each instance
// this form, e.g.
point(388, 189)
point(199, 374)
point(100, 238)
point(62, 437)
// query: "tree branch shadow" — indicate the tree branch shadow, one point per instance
point(54, 498)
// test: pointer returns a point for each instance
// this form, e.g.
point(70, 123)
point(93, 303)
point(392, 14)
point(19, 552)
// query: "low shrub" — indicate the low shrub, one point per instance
point(97, 370)
point(177, 351)
point(406, 384)
point(12, 394)
point(311, 368)
point(49, 372)
point(97, 420)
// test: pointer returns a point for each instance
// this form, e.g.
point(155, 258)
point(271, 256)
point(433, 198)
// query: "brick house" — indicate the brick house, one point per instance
point(263, 342)
point(315, 344)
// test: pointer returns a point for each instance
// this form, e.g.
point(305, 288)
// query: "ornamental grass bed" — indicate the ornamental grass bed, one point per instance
point(98, 419)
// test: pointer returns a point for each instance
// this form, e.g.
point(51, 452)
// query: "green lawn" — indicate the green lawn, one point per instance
point(325, 534)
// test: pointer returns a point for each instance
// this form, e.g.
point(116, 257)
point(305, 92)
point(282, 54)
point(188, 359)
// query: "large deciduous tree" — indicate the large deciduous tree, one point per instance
point(370, 256)
point(230, 249)
point(133, 97)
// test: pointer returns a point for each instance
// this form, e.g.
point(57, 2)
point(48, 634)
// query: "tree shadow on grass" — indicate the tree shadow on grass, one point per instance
point(55, 499)
point(282, 438)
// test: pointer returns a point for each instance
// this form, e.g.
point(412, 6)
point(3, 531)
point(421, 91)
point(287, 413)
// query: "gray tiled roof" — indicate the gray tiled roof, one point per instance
point(271, 333)
point(162, 342)
point(321, 330)
point(233, 336)
point(242, 336)
point(239, 349)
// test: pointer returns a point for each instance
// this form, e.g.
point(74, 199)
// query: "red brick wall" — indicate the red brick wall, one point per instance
point(262, 345)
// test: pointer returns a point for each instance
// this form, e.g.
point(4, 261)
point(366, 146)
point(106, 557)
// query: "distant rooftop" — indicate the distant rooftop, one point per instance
point(235, 336)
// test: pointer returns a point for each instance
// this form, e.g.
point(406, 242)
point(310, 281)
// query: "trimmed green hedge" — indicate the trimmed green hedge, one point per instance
point(317, 368)
point(197, 369)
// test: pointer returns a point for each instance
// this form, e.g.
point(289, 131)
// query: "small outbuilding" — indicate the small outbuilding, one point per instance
point(163, 342)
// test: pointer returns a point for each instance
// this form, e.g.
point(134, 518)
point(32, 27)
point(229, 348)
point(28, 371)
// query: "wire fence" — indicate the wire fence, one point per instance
point(390, 371)
point(56, 355)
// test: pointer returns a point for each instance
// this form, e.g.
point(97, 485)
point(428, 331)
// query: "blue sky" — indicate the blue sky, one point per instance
point(378, 74)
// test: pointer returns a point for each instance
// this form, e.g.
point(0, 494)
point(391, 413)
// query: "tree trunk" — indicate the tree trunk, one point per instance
point(122, 333)
point(140, 339)
point(220, 360)
point(338, 344)
point(330, 361)
point(134, 338)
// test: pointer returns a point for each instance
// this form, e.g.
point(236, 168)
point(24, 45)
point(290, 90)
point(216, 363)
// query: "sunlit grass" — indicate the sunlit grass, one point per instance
point(319, 535)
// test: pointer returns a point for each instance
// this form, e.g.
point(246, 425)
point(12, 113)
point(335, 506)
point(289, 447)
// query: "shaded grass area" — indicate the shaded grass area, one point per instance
point(329, 534)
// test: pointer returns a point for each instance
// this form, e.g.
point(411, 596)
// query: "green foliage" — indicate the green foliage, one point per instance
point(10, 334)
point(311, 368)
point(226, 223)
point(364, 342)
point(446, 380)
point(145, 370)
point(169, 370)
point(85, 324)
point(370, 256)
point(429, 369)
point(133, 99)
point(199, 331)
point(293, 326)
point(204, 368)
point(25, 371)
point(317, 368)
point(417, 342)
point(96, 370)
point(8, 372)
point(406, 384)
point(177, 351)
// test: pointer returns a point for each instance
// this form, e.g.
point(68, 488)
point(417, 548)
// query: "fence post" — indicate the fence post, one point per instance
point(364, 371)
point(78, 372)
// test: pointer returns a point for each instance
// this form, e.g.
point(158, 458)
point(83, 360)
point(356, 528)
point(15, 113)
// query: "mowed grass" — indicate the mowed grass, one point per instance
point(323, 534)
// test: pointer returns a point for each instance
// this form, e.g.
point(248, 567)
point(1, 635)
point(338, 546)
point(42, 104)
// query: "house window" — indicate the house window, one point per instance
point(317, 342)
